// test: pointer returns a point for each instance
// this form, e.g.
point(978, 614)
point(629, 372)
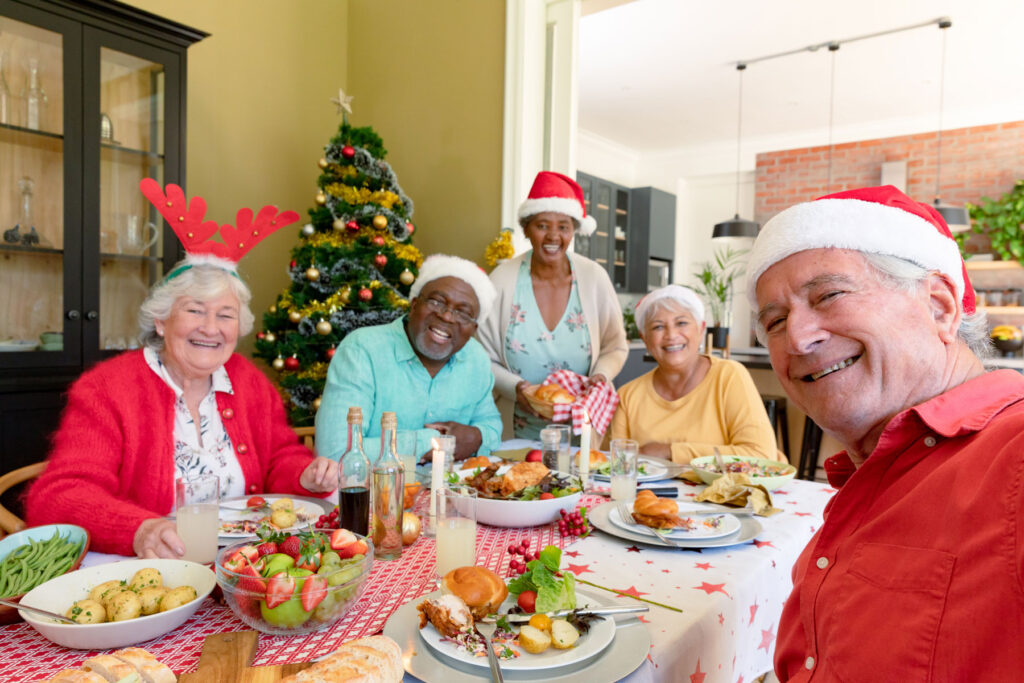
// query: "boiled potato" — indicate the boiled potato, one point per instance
point(563, 634)
point(150, 599)
point(533, 640)
point(86, 612)
point(176, 597)
point(146, 578)
point(124, 606)
point(283, 518)
point(99, 593)
point(282, 504)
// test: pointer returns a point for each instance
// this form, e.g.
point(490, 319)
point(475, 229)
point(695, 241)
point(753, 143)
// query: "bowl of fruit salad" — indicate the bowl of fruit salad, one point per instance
point(290, 584)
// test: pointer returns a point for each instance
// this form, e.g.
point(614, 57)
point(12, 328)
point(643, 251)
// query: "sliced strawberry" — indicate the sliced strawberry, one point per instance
point(352, 549)
point(314, 590)
point(240, 559)
point(341, 538)
point(268, 548)
point(250, 552)
point(251, 589)
point(280, 587)
point(290, 546)
point(310, 562)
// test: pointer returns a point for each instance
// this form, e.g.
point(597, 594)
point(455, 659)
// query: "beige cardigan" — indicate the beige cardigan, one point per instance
point(608, 344)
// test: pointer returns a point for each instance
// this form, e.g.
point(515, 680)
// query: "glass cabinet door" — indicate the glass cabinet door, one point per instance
point(131, 139)
point(32, 188)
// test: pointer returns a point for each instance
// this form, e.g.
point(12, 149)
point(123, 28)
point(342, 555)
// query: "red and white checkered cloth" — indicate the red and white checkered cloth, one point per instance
point(598, 403)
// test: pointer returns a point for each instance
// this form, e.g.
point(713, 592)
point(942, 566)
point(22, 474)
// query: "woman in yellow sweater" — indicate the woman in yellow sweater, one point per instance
point(691, 402)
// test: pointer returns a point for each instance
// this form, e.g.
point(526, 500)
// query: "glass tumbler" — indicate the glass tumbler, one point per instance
point(623, 469)
point(196, 511)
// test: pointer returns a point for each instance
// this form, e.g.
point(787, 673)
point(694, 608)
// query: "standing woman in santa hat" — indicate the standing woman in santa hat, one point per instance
point(555, 309)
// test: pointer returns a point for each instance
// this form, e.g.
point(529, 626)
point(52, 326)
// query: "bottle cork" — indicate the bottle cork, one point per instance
point(355, 415)
point(388, 420)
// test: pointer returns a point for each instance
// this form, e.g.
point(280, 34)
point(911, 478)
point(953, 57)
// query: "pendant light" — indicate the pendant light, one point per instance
point(833, 47)
point(955, 216)
point(736, 226)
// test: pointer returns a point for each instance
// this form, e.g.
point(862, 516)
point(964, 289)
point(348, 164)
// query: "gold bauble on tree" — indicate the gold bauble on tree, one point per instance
point(323, 327)
point(380, 222)
point(295, 317)
point(321, 198)
point(312, 274)
point(345, 296)
point(322, 163)
point(273, 308)
point(407, 278)
point(339, 224)
point(270, 337)
point(316, 403)
point(278, 363)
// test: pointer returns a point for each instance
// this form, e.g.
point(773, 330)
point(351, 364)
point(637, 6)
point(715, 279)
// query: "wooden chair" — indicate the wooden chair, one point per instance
point(10, 522)
point(308, 435)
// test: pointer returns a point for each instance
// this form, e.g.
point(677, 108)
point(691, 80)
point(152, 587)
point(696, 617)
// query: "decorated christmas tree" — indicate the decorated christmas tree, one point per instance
point(352, 268)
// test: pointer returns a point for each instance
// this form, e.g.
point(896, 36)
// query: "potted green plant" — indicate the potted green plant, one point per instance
point(715, 281)
point(1002, 221)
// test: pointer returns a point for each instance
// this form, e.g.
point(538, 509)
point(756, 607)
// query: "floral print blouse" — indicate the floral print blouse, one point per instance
point(533, 352)
point(208, 451)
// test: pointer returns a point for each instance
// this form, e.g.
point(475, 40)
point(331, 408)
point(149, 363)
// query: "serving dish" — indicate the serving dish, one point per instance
point(707, 470)
point(8, 544)
point(520, 513)
point(653, 470)
point(599, 517)
point(57, 595)
point(18, 344)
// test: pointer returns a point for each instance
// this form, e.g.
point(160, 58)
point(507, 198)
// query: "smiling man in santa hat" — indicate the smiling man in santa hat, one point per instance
point(918, 571)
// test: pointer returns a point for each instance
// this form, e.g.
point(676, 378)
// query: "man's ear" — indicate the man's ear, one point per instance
point(944, 306)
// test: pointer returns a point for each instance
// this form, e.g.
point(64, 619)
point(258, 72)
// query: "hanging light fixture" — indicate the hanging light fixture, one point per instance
point(833, 47)
point(736, 226)
point(955, 216)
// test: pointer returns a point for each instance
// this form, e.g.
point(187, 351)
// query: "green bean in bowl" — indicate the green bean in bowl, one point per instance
point(35, 555)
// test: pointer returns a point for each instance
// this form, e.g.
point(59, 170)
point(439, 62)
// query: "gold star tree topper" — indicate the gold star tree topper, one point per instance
point(343, 101)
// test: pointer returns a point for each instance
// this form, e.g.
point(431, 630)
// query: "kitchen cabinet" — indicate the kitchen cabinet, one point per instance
point(653, 234)
point(92, 99)
point(608, 204)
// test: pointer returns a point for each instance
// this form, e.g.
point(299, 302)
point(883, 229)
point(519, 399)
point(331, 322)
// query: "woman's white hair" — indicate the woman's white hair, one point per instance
point(202, 282)
point(673, 298)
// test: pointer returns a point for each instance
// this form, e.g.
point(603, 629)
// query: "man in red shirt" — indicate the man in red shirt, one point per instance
point(917, 574)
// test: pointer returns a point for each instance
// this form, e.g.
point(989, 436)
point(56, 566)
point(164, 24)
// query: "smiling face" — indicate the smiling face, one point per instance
point(435, 330)
point(850, 349)
point(550, 234)
point(672, 335)
point(199, 336)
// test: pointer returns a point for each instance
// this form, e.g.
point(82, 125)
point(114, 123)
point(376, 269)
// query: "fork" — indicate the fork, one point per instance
point(626, 515)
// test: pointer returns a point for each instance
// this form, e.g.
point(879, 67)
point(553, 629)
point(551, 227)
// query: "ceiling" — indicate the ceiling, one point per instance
point(659, 76)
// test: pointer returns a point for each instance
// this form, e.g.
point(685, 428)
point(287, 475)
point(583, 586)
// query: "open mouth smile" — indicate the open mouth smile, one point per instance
point(442, 336)
point(552, 248)
point(204, 344)
point(841, 365)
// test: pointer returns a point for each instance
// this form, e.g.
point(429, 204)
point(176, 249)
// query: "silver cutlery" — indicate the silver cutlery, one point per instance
point(627, 516)
point(599, 611)
point(35, 610)
point(492, 659)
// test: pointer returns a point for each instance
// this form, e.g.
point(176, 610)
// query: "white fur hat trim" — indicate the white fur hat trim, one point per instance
point(563, 205)
point(442, 265)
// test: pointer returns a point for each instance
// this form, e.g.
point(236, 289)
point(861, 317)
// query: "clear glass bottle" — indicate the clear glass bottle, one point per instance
point(388, 493)
point(5, 94)
point(25, 187)
point(354, 479)
point(35, 97)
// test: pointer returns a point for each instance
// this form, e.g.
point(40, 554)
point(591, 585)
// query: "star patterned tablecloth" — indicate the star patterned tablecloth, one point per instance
point(730, 598)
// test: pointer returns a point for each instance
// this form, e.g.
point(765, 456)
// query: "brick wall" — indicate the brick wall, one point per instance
point(976, 161)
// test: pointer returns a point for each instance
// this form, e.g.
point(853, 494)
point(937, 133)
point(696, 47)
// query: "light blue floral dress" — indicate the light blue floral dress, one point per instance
point(533, 352)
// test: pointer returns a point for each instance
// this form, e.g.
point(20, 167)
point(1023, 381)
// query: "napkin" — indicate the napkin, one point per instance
point(735, 488)
point(599, 401)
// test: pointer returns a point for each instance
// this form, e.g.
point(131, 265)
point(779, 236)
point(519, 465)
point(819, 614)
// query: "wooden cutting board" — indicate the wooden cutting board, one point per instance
point(226, 658)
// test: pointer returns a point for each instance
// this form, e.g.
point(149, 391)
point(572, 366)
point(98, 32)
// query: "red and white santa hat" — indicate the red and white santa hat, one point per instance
point(561, 194)
point(875, 220)
point(438, 266)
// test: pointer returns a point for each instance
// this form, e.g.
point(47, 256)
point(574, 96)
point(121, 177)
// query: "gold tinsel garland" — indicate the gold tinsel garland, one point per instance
point(315, 371)
point(406, 252)
point(499, 248)
point(358, 196)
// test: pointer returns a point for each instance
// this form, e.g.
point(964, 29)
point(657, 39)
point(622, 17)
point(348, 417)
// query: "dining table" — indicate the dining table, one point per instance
point(713, 617)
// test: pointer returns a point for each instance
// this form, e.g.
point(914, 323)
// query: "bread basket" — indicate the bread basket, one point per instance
point(543, 408)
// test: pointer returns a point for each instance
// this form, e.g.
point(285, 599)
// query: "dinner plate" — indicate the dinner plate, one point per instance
point(587, 647)
point(708, 526)
point(599, 517)
point(654, 471)
point(627, 651)
point(309, 510)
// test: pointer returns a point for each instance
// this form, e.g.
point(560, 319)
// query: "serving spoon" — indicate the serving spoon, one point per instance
point(52, 615)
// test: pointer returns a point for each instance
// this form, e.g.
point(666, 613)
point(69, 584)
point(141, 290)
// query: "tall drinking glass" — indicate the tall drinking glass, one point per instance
point(455, 535)
point(409, 452)
point(564, 456)
point(623, 468)
point(196, 505)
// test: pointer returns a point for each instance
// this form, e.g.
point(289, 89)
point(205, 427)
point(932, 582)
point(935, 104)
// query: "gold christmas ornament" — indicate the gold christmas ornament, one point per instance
point(312, 274)
point(323, 327)
point(295, 317)
point(345, 296)
point(316, 403)
point(321, 198)
point(339, 224)
point(322, 163)
point(407, 278)
point(278, 363)
point(273, 308)
point(380, 222)
point(270, 337)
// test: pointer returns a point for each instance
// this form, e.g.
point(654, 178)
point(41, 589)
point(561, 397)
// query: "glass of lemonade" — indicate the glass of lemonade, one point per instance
point(455, 535)
point(196, 511)
point(623, 468)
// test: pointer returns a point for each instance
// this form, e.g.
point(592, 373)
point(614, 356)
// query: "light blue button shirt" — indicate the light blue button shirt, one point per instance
point(377, 369)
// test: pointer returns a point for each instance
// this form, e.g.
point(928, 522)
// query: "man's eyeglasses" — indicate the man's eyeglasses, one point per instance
point(440, 307)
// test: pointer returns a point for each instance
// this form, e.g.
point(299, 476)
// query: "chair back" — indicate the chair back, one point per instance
point(10, 522)
point(308, 436)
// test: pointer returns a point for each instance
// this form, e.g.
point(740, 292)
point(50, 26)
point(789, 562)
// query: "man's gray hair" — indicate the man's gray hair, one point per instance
point(202, 282)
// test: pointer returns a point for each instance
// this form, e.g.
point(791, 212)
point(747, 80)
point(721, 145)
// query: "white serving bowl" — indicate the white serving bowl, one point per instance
point(56, 595)
point(520, 513)
point(702, 466)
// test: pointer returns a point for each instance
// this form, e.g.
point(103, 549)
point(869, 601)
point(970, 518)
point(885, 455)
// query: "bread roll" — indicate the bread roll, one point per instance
point(553, 393)
point(657, 513)
point(596, 458)
point(482, 590)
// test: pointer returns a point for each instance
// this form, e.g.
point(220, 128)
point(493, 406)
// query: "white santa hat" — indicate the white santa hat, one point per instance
point(684, 296)
point(442, 265)
point(561, 194)
point(875, 220)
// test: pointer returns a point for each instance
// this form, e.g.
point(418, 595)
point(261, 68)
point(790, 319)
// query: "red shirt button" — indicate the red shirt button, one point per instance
point(252, 488)
point(228, 413)
point(242, 448)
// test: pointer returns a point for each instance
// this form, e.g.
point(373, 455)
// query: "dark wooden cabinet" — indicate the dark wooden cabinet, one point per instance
point(92, 99)
point(653, 229)
point(608, 203)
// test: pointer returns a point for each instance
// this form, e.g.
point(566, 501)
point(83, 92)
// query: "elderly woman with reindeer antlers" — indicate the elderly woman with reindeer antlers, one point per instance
point(184, 405)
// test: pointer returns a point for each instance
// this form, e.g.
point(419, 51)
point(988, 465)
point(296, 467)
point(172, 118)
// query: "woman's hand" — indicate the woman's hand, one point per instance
point(594, 379)
point(657, 449)
point(320, 476)
point(158, 537)
point(521, 399)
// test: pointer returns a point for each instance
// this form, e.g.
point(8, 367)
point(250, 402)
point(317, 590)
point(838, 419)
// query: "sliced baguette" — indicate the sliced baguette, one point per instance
point(149, 667)
point(110, 667)
point(77, 676)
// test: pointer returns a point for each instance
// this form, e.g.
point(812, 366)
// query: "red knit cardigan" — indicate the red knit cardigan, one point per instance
point(112, 462)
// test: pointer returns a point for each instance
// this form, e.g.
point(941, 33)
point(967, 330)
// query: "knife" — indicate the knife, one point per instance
point(662, 492)
point(600, 611)
point(492, 659)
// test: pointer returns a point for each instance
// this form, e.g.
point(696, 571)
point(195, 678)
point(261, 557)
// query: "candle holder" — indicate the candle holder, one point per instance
point(442, 464)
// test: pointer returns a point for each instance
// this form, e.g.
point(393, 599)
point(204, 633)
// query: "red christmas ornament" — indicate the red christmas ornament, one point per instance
point(330, 352)
point(378, 240)
point(381, 260)
point(365, 294)
point(348, 151)
point(293, 263)
point(291, 363)
point(353, 226)
point(410, 227)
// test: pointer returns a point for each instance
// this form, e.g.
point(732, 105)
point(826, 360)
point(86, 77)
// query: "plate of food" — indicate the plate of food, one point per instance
point(646, 470)
point(241, 516)
point(521, 495)
point(656, 513)
point(768, 473)
point(600, 517)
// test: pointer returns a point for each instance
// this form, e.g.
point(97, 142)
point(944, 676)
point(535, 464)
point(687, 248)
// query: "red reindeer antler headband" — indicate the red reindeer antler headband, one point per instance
point(186, 219)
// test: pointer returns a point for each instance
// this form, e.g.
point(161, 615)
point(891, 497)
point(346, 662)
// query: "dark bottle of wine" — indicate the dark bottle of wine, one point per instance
point(354, 479)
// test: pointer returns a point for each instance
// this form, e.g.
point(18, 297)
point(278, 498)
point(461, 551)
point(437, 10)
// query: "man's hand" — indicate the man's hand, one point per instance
point(467, 439)
point(320, 476)
point(158, 537)
point(657, 449)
